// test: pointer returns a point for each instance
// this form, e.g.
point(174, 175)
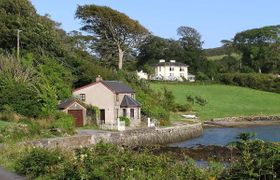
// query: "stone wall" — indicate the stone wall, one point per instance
point(63, 142)
point(243, 121)
point(249, 118)
point(151, 136)
point(136, 137)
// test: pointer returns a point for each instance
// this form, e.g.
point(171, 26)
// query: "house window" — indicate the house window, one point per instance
point(82, 97)
point(159, 68)
point(182, 74)
point(124, 112)
point(171, 74)
point(181, 69)
point(171, 69)
point(132, 113)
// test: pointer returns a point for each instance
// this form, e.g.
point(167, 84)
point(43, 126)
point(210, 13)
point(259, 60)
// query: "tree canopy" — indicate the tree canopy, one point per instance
point(189, 37)
point(260, 48)
point(115, 32)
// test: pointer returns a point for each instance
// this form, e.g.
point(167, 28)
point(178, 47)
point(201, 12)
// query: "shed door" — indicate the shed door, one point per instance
point(78, 116)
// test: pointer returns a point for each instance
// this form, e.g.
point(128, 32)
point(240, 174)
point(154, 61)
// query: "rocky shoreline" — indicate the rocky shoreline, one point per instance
point(243, 121)
point(200, 153)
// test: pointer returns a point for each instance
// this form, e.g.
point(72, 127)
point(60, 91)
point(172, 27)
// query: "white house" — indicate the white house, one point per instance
point(172, 71)
point(142, 75)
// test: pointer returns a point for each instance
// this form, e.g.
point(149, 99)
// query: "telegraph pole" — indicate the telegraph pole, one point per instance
point(18, 31)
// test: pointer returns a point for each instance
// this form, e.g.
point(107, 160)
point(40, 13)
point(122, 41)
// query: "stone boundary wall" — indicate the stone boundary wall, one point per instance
point(138, 137)
point(249, 118)
point(243, 121)
point(152, 136)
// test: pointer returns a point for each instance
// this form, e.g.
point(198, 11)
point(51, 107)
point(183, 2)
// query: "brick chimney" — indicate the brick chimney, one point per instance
point(98, 78)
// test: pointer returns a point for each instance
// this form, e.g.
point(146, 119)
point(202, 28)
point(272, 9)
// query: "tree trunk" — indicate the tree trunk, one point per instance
point(120, 57)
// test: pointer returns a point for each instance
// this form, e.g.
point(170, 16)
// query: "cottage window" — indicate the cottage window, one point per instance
point(171, 69)
point(124, 112)
point(159, 68)
point(132, 113)
point(82, 97)
point(181, 69)
point(182, 74)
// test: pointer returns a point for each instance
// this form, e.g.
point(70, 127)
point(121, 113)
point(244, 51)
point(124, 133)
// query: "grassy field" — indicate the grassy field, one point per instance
point(225, 101)
point(3, 124)
point(219, 57)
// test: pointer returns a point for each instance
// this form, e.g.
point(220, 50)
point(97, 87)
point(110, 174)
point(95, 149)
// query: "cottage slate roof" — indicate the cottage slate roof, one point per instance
point(67, 102)
point(118, 86)
point(170, 64)
point(129, 102)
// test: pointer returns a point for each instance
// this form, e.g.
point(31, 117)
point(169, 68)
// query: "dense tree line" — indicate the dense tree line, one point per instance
point(53, 62)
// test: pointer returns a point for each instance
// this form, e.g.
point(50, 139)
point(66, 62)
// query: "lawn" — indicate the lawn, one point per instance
point(225, 101)
point(3, 124)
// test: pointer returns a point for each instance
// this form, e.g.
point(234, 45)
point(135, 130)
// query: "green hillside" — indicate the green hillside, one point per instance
point(226, 101)
point(220, 57)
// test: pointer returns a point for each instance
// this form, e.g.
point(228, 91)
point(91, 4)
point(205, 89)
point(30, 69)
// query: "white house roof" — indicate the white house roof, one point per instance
point(171, 64)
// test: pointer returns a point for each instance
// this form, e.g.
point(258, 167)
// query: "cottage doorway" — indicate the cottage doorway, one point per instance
point(102, 116)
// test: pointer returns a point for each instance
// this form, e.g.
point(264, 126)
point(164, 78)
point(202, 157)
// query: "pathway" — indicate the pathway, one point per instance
point(5, 175)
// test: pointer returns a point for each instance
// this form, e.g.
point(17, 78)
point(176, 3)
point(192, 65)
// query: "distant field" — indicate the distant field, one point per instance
point(219, 57)
point(226, 101)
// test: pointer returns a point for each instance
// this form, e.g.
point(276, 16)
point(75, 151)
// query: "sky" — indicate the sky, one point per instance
point(214, 19)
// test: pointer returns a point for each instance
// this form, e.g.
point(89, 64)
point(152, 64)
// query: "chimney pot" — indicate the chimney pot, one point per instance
point(98, 78)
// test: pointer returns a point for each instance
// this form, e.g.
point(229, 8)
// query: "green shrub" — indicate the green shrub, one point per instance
point(106, 161)
point(8, 114)
point(33, 126)
point(190, 99)
point(265, 82)
point(202, 77)
point(39, 162)
point(64, 121)
point(14, 132)
point(21, 97)
point(257, 160)
point(126, 120)
point(201, 101)
point(183, 107)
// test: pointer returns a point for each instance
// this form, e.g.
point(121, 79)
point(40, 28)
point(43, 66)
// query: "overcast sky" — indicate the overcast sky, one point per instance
point(214, 19)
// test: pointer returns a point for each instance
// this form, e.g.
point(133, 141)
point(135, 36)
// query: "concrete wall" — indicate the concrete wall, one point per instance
point(136, 137)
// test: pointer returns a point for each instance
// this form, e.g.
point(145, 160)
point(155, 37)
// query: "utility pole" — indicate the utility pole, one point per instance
point(18, 31)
